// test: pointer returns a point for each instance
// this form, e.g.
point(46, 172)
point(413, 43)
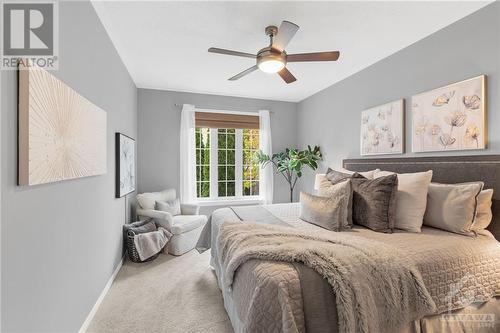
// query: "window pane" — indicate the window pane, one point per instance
point(230, 189)
point(247, 157)
point(202, 136)
point(246, 187)
point(222, 173)
point(230, 140)
point(205, 189)
point(255, 142)
point(230, 130)
point(205, 173)
point(255, 172)
point(222, 157)
point(205, 157)
point(246, 139)
point(222, 141)
point(222, 189)
point(230, 173)
point(255, 188)
point(230, 157)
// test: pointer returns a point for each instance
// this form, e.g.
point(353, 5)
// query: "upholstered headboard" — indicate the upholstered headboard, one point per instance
point(446, 169)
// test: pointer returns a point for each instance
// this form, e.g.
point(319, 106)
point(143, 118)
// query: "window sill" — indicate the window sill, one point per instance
point(229, 202)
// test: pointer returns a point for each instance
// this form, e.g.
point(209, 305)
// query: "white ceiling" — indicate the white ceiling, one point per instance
point(164, 44)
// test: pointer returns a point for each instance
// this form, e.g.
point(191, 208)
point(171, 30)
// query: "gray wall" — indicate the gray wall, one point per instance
point(159, 121)
point(467, 48)
point(62, 241)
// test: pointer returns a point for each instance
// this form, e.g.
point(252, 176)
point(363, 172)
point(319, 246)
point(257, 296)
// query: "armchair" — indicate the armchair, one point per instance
point(185, 228)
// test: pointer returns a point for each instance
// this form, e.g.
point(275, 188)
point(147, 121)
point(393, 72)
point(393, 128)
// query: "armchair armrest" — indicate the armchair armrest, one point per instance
point(164, 219)
point(190, 209)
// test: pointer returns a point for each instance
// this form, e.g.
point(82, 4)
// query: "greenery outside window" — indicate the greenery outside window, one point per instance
point(226, 167)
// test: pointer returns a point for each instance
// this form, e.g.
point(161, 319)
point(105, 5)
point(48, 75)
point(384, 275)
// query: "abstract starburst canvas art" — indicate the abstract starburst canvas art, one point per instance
point(451, 117)
point(125, 164)
point(382, 129)
point(62, 135)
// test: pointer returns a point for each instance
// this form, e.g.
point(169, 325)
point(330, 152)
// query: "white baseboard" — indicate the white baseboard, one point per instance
point(92, 312)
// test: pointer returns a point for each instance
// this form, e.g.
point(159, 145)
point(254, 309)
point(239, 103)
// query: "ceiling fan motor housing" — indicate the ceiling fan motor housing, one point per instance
point(269, 54)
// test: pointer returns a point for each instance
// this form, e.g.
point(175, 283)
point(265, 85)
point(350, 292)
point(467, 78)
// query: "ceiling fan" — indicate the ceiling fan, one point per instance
point(273, 58)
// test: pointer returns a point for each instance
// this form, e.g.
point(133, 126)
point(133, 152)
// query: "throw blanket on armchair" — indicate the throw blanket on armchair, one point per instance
point(377, 288)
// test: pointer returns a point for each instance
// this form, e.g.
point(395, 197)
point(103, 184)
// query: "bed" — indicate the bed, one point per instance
point(274, 296)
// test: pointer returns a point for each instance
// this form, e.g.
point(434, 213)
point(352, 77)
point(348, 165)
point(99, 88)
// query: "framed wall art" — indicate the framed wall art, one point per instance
point(62, 135)
point(451, 117)
point(125, 164)
point(382, 129)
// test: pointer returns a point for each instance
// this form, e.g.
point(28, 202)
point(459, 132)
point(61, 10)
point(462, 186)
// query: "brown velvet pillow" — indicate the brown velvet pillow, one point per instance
point(374, 202)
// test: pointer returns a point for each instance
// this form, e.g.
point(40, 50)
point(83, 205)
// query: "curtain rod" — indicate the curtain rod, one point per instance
point(222, 110)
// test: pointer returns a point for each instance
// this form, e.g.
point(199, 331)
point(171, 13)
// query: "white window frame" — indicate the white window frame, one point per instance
point(239, 198)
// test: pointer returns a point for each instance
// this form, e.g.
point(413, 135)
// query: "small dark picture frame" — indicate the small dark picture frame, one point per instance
point(125, 164)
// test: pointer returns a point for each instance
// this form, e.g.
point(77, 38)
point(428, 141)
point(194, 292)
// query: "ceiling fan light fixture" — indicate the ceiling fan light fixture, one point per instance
point(271, 65)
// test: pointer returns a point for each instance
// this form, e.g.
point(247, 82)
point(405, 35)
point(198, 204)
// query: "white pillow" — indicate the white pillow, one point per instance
point(173, 207)
point(483, 211)
point(452, 207)
point(147, 200)
point(411, 198)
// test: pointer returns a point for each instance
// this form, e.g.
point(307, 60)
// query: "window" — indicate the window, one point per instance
point(202, 162)
point(225, 163)
point(250, 168)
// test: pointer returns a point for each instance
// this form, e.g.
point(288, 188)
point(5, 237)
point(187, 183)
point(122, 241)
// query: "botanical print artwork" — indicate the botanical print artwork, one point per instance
point(62, 135)
point(382, 129)
point(125, 165)
point(450, 118)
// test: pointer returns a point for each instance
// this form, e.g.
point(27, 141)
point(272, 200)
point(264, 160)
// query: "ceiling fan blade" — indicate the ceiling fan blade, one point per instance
point(230, 52)
point(245, 72)
point(317, 56)
point(286, 31)
point(286, 75)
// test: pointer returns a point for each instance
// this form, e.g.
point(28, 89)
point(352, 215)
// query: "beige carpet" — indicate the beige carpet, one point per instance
point(170, 294)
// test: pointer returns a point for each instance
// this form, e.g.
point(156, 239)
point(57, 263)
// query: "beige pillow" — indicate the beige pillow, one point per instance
point(411, 198)
point(483, 210)
point(328, 212)
point(367, 174)
point(173, 207)
point(452, 207)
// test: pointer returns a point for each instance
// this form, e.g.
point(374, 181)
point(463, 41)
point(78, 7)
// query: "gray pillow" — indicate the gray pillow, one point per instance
point(327, 212)
point(173, 207)
point(374, 202)
point(336, 177)
point(453, 207)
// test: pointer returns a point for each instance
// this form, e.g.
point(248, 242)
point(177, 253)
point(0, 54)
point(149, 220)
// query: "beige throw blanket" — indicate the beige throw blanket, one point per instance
point(377, 288)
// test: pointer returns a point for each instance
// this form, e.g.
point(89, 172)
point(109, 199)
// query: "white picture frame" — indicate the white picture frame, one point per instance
point(383, 130)
point(451, 117)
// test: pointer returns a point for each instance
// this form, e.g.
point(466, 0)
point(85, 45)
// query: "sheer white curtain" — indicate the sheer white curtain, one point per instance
point(266, 174)
point(187, 192)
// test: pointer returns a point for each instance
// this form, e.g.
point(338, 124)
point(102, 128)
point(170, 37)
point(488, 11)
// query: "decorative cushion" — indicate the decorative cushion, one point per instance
point(411, 198)
point(374, 201)
point(185, 223)
point(332, 178)
point(148, 200)
point(483, 211)
point(328, 212)
point(452, 207)
point(173, 207)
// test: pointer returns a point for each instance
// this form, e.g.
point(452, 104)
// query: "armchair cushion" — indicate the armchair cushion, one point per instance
point(173, 207)
point(185, 223)
point(163, 219)
point(190, 209)
point(148, 200)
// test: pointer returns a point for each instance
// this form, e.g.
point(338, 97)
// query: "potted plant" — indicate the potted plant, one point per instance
point(290, 162)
